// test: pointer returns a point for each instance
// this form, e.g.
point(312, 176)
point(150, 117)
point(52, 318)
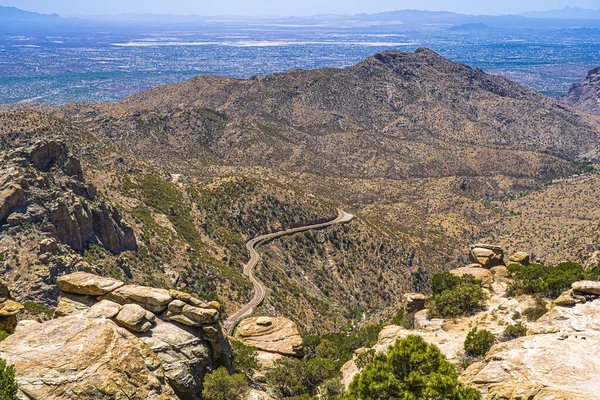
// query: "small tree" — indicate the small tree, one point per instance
point(219, 385)
point(8, 385)
point(478, 343)
point(411, 370)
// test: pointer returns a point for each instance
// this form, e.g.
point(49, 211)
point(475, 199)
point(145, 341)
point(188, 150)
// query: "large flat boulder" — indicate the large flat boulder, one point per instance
point(152, 299)
point(274, 335)
point(83, 358)
point(587, 287)
point(85, 283)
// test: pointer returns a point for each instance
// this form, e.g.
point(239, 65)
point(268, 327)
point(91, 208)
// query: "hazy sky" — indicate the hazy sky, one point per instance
point(286, 7)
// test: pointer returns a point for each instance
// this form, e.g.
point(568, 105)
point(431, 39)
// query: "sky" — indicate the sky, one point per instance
point(287, 7)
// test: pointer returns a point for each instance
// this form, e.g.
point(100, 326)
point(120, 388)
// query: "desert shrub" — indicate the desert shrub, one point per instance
point(291, 377)
point(592, 274)
point(477, 342)
point(8, 384)
point(3, 335)
point(412, 369)
point(514, 331)
point(403, 319)
point(34, 308)
point(454, 296)
point(544, 280)
point(534, 312)
point(219, 385)
point(340, 346)
point(244, 358)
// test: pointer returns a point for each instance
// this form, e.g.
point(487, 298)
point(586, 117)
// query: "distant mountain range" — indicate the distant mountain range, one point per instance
point(565, 13)
point(16, 14)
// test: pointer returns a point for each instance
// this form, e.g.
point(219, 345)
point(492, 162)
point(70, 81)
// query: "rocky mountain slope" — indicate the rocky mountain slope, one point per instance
point(585, 96)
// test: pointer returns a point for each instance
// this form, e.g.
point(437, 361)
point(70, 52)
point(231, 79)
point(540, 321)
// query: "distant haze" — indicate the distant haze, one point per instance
point(296, 8)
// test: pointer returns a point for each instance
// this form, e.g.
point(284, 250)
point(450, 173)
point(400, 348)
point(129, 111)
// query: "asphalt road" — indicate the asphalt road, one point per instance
point(259, 289)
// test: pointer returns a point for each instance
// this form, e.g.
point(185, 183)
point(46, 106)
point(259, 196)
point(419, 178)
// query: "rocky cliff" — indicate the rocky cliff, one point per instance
point(585, 96)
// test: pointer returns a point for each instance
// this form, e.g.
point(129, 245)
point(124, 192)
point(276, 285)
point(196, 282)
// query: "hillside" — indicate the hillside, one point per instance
point(422, 150)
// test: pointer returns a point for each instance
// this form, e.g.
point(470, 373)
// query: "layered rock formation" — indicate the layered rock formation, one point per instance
point(273, 335)
point(115, 350)
point(487, 255)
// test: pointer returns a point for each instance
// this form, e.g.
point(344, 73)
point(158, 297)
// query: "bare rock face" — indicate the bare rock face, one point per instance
point(152, 299)
point(85, 283)
point(486, 255)
point(273, 335)
point(585, 96)
point(92, 358)
point(555, 361)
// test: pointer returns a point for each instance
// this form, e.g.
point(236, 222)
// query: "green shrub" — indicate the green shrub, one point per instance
point(296, 377)
point(478, 342)
point(8, 384)
point(219, 385)
point(454, 296)
point(534, 312)
point(405, 320)
point(593, 274)
point(34, 308)
point(514, 331)
point(412, 369)
point(244, 358)
point(3, 335)
point(544, 280)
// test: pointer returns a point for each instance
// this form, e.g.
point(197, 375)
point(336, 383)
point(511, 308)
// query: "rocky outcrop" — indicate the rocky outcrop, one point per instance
point(43, 184)
point(585, 96)
point(82, 350)
point(91, 357)
point(486, 255)
point(273, 335)
point(413, 302)
point(8, 314)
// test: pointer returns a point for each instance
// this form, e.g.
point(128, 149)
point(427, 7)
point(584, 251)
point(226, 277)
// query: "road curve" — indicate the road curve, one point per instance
point(259, 289)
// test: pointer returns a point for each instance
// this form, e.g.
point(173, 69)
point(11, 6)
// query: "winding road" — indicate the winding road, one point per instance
point(259, 289)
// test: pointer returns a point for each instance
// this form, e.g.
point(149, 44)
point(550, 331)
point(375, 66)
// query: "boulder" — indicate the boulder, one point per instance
point(85, 283)
point(83, 358)
point(587, 287)
point(568, 298)
point(152, 299)
point(520, 257)
point(49, 245)
point(413, 302)
point(134, 318)
point(273, 335)
point(499, 271)
point(486, 255)
point(104, 308)
point(482, 274)
point(194, 301)
point(8, 314)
